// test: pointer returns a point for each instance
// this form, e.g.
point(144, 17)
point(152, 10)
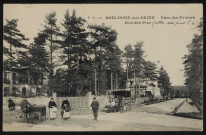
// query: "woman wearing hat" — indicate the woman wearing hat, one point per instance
point(52, 109)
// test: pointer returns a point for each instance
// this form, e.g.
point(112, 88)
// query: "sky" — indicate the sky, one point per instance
point(165, 43)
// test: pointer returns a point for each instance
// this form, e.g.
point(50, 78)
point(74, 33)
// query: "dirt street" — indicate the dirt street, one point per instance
point(142, 118)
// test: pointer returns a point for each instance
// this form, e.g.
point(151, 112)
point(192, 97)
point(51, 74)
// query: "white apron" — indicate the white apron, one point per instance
point(52, 112)
point(66, 114)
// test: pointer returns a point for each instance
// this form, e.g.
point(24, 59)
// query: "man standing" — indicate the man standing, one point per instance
point(95, 107)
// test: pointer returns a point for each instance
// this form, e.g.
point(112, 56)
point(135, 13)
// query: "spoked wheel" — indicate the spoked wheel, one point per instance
point(34, 117)
point(20, 116)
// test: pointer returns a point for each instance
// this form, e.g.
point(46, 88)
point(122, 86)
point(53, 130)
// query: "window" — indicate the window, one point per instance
point(6, 78)
point(14, 78)
point(6, 91)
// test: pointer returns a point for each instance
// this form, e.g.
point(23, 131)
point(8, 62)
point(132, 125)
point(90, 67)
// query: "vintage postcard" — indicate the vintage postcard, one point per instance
point(102, 67)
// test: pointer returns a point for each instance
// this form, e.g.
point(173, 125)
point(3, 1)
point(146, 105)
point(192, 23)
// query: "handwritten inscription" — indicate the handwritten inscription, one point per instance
point(154, 21)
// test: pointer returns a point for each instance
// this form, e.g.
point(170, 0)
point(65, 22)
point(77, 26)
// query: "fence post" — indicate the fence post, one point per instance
point(55, 96)
point(90, 98)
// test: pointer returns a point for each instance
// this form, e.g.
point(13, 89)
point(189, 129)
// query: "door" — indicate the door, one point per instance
point(6, 91)
point(23, 91)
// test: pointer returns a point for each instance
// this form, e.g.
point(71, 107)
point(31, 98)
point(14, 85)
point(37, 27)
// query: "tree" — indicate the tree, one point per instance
point(128, 54)
point(165, 81)
point(51, 30)
point(114, 62)
point(15, 38)
point(107, 53)
point(16, 49)
point(150, 70)
point(193, 63)
point(38, 58)
point(138, 59)
point(76, 49)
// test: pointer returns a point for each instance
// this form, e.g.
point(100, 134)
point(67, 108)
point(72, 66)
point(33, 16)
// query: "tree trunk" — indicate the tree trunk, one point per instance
point(98, 87)
point(95, 75)
point(117, 81)
point(51, 67)
point(135, 83)
point(111, 81)
point(127, 69)
point(11, 82)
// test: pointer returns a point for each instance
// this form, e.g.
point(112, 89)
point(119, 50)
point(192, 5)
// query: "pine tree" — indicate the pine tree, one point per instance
point(138, 59)
point(193, 63)
point(107, 53)
point(38, 60)
point(17, 48)
point(51, 30)
point(150, 70)
point(75, 49)
point(164, 80)
point(15, 38)
point(128, 54)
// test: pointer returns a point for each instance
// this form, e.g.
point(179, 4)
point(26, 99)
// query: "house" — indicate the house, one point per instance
point(143, 87)
point(16, 83)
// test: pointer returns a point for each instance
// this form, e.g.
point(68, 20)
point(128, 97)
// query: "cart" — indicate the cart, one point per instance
point(119, 94)
point(37, 113)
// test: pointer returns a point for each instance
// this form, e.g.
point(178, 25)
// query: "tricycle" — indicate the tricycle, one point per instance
point(36, 113)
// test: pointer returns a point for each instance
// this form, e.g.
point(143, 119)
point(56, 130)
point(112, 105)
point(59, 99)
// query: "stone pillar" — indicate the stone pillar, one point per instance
point(90, 97)
point(55, 96)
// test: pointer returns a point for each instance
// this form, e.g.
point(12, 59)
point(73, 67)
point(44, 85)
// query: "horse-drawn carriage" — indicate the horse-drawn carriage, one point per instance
point(36, 113)
point(120, 100)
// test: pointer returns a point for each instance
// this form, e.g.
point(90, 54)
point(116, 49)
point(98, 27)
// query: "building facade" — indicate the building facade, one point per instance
point(144, 87)
point(15, 85)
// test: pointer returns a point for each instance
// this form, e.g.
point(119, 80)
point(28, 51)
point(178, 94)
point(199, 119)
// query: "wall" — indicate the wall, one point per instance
point(75, 102)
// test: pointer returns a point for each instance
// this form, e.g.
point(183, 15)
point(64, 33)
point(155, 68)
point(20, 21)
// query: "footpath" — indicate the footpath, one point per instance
point(189, 110)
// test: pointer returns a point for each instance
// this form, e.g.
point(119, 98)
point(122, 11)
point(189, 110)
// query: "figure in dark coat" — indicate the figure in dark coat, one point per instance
point(52, 104)
point(52, 109)
point(13, 105)
point(95, 107)
point(65, 101)
point(10, 104)
point(65, 107)
point(25, 106)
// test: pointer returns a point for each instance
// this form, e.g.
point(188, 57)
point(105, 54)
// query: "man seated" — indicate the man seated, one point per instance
point(25, 106)
point(114, 106)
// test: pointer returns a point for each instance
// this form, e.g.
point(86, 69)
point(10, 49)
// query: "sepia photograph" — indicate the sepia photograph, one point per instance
point(102, 67)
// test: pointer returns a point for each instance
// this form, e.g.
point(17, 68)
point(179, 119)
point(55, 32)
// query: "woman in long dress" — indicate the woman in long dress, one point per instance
point(65, 109)
point(52, 109)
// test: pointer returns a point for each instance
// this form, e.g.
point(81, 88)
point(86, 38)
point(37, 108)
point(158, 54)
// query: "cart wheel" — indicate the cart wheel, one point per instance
point(34, 117)
point(20, 116)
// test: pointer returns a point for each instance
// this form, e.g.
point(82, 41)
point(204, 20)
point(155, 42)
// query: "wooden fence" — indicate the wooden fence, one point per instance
point(75, 102)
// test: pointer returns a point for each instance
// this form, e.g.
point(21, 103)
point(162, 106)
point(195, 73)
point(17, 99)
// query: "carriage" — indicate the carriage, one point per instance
point(36, 113)
point(115, 96)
